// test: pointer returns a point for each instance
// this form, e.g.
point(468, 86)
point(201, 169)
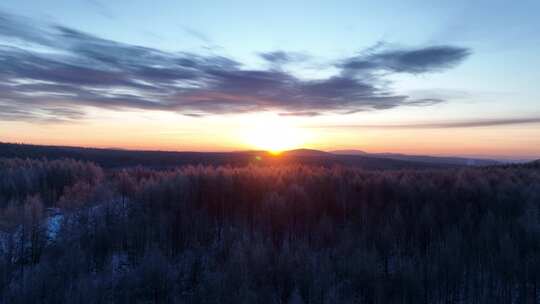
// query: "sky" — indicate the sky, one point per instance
point(418, 77)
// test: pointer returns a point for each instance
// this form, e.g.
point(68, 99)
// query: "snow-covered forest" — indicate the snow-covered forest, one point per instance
point(72, 232)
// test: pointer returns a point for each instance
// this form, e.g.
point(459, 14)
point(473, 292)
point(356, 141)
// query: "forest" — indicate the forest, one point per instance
point(72, 231)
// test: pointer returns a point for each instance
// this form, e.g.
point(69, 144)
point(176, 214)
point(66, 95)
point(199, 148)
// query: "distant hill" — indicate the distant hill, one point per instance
point(462, 161)
point(459, 161)
point(349, 152)
point(306, 152)
point(115, 158)
point(118, 158)
point(535, 164)
point(532, 165)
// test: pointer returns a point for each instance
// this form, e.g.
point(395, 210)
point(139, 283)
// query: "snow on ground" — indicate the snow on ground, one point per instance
point(51, 225)
point(52, 222)
point(119, 262)
point(3, 241)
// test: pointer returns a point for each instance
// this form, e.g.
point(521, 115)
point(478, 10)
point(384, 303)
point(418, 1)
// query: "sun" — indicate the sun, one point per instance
point(274, 137)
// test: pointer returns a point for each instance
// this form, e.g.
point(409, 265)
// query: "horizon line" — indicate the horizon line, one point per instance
point(330, 151)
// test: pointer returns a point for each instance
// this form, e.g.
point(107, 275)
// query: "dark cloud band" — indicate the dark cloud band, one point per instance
point(53, 72)
point(413, 61)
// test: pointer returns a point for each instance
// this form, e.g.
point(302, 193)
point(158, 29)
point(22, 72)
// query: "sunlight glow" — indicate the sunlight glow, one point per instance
point(275, 137)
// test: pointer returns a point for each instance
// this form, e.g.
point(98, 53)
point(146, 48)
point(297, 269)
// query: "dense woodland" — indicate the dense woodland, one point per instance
point(76, 233)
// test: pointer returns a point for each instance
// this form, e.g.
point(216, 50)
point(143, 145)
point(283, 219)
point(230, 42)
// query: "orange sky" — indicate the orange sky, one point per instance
point(168, 131)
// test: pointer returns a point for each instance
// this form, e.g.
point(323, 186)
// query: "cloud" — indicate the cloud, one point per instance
point(53, 72)
point(197, 34)
point(276, 57)
point(449, 124)
point(305, 113)
point(40, 115)
point(101, 8)
point(282, 57)
point(420, 60)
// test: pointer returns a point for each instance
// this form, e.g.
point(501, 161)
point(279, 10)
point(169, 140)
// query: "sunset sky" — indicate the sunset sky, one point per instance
point(418, 77)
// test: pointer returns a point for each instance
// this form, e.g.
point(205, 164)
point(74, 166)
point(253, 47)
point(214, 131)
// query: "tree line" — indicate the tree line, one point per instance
point(268, 234)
